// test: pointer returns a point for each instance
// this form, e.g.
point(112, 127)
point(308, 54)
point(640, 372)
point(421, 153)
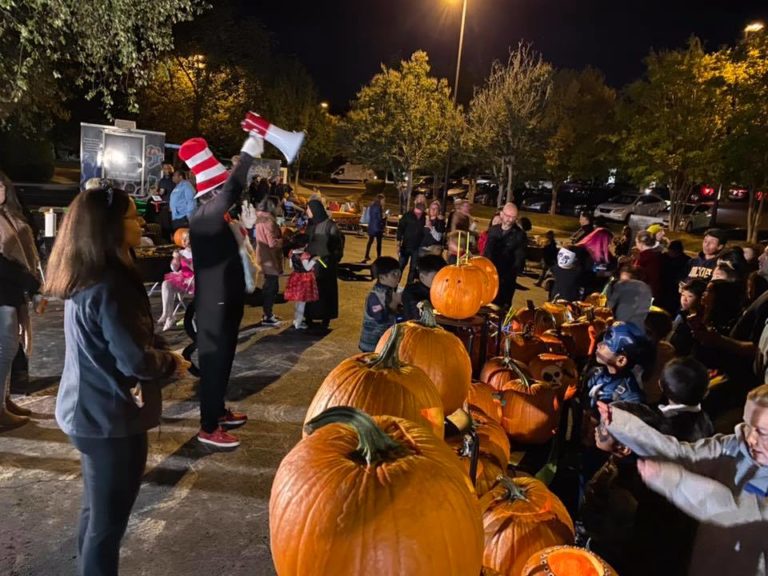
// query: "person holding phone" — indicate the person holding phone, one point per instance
point(110, 390)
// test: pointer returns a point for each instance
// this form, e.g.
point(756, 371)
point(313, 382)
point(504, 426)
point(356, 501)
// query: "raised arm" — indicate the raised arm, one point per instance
point(702, 498)
point(647, 442)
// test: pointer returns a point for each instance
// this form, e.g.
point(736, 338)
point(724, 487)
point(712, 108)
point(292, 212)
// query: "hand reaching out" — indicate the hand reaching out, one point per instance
point(248, 215)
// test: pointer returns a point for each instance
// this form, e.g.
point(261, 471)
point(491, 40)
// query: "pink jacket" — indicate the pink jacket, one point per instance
point(268, 244)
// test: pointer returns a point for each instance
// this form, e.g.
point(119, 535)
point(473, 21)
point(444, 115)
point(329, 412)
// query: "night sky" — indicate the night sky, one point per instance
point(343, 42)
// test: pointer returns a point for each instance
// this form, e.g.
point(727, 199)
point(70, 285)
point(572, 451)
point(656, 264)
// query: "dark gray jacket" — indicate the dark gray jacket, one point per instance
point(103, 361)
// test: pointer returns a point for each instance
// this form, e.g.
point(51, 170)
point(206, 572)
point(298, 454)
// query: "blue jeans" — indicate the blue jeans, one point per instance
point(9, 347)
point(112, 470)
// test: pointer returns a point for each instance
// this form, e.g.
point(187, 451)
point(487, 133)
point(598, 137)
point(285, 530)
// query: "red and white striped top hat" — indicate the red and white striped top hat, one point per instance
point(209, 172)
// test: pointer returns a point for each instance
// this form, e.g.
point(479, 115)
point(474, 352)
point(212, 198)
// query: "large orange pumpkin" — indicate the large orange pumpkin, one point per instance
point(556, 369)
point(439, 353)
point(492, 439)
point(530, 408)
point(457, 291)
point(567, 561)
point(178, 236)
point(487, 468)
point(381, 384)
point(520, 517)
point(481, 396)
point(492, 285)
point(372, 495)
point(578, 331)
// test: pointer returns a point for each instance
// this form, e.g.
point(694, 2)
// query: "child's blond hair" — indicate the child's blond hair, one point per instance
point(759, 396)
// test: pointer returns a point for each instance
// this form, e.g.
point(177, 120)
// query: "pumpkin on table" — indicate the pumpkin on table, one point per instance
point(379, 383)
point(520, 517)
point(372, 495)
point(567, 561)
point(458, 290)
point(437, 352)
point(492, 283)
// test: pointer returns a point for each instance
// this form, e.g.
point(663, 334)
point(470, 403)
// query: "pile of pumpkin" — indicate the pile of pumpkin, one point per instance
point(374, 486)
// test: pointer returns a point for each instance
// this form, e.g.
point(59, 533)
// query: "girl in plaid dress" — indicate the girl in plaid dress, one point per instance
point(302, 286)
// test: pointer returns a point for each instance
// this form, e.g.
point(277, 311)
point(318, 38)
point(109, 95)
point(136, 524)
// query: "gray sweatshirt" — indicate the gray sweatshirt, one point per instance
point(716, 481)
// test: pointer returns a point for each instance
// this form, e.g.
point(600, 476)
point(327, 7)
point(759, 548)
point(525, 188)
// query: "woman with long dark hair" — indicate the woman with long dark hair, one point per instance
point(19, 279)
point(109, 395)
point(327, 244)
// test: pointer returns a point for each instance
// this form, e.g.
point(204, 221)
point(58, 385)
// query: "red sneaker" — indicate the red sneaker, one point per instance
point(219, 438)
point(232, 419)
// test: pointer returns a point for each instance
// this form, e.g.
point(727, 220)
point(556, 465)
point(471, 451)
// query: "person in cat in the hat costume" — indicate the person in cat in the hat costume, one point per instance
point(219, 280)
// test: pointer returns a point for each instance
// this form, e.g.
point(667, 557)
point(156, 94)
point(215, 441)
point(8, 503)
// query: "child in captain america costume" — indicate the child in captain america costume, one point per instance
point(623, 348)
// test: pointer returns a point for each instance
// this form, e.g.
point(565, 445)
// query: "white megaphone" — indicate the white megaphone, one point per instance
point(289, 143)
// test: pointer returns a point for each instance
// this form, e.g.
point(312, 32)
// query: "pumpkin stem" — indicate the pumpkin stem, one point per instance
point(427, 318)
point(520, 374)
point(514, 492)
point(388, 358)
point(374, 445)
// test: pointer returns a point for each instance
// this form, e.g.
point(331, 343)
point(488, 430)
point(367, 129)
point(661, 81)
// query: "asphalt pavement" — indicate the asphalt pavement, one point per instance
point(199, 511)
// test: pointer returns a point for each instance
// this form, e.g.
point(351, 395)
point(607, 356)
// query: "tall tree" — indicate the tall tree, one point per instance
point(506, 116)
point(579, 123)
point(674, 121)
point(402, 120)
point(101, 46)
point(744, 70)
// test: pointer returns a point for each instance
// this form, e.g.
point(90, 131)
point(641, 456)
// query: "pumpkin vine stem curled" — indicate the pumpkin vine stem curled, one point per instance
point(427, 314)
point(514, 492)
point(374, 445)
point(389, 357)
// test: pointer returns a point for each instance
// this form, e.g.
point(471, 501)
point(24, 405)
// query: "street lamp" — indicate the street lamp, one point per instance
point(753, 27)
point(324, 105)
point(455, 96)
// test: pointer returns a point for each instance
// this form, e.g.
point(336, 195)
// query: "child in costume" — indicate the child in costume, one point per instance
point(302, 285)
point(382, 302)
point(180, 280)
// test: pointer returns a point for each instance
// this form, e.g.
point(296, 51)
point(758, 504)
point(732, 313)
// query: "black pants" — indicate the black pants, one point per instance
point(269, 293)
point(378, 238)
point(506, 291)
point(112, 470)
point(217, 329)
point(413, 256)
point(180, 223)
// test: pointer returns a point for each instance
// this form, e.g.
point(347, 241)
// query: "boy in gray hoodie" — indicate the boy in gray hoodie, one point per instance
point(721, 481)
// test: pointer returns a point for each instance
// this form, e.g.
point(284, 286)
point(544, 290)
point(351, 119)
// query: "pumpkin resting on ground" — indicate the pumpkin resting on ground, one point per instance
point(380, 384)
point(481, 396)
point(567, 561)
point(372, 495)
point(439, 353)
point(520, 517)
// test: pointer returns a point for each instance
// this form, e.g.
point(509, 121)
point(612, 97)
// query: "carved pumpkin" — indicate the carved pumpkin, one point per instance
point(530, 409)
point(457, 291)
point(556, 369)
point(373, 490)
point(437, 352)
point(492, 285)
point(381, 384)
point(489, 572)
point(178, 236)
point(578, 331)
point(481, 396)
point(541, 319)
point(520, 517)
point(567, 561)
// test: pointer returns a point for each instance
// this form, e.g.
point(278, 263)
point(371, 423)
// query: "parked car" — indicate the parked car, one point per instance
point(702, 193)
point(541, 201)
point(574, 199)
point(352, 173)
point(694, 217)
point(621, 207)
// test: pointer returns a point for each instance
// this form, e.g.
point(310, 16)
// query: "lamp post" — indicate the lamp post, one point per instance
point(753, 27)
point(455, 96)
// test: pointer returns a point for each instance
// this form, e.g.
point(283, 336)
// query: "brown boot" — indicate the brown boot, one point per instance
point(15, 409)
point(8, 420)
